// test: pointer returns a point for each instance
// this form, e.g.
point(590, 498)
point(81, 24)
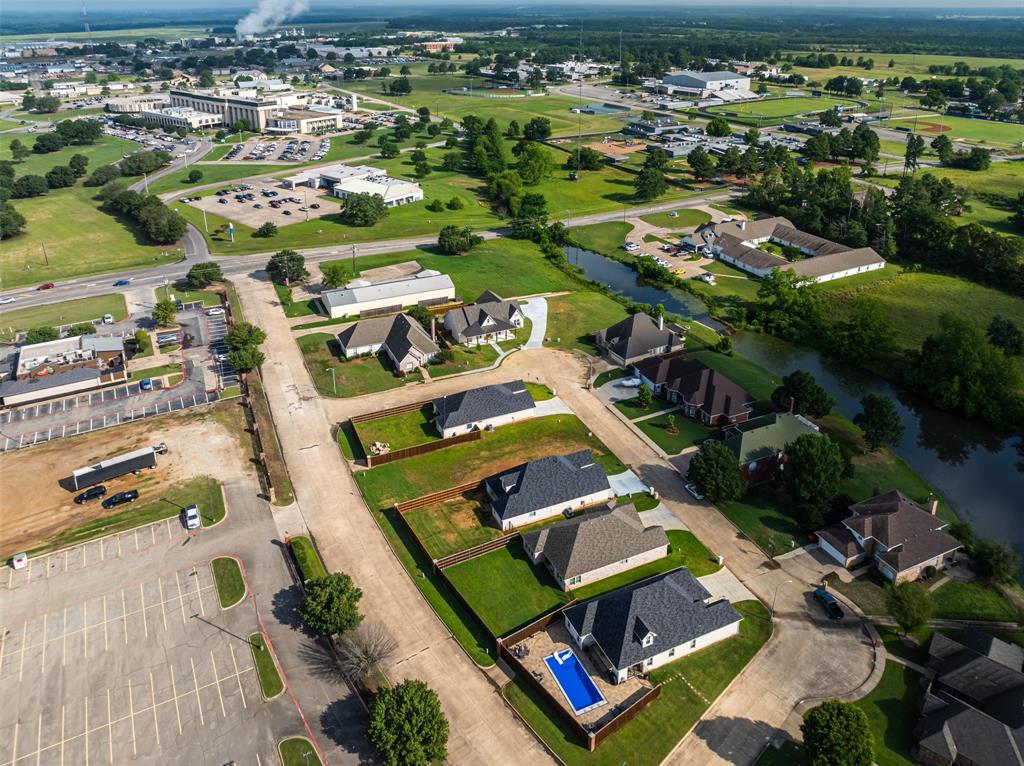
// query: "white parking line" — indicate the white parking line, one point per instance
point(85, 630)
point(181, 597)
point(142, 601)
point(64, 647)
point(61, 735)
point(21, 663)
point(110, 730)
point(174, 693)
point(152, 702)
point(199, 594)
point(39, 740)
point(124, 615)
point(131, 711)
point(42, 656)
point(163, 609)
point(106, 645)
point(234, 664)
point(195, 684)
point(86, 730)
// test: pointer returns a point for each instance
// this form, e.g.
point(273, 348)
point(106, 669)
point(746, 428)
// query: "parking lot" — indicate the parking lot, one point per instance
point(216, 331)
point(245, 210)
point(281, 150)
point(131, 659)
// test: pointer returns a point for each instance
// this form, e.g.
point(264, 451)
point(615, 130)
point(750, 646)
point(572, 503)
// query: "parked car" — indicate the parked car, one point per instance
point(122, 283)
point(190, 517)
point(215, 312)
point(694, 490)
point(46, 286)
point(108, 319)
point(129, 496)
point(828, 602)
point(146, 384)
point(93, 493)
point(19, 560)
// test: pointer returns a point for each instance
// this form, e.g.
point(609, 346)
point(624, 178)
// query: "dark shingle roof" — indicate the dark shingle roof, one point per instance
point(697, 384)
point(959, 733)
point(670, 605)
point(398, 333)
point(545, 482)
point(840, 538)
point(589, 542)
point(634, 336)
point(481, 403)
point(490, 308)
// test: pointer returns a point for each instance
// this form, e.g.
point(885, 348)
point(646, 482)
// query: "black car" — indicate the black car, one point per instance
point(121, 498)
point(828, 602)
point(92, 493)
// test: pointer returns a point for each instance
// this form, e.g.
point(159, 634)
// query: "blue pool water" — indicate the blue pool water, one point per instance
point(572, 678)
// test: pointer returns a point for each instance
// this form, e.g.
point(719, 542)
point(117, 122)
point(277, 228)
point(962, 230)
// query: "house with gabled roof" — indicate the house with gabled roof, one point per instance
point(595, 545)
point(546, 487)
point(402, 339)
point(650, 623)
point(760, 444)
point(638, 337)
point(705, 394)
point(490, 319)
point(483, 408)
point(900, 537)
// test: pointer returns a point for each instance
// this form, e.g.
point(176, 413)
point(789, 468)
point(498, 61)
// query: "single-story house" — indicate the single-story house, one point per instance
point(638, 337)
point(736, 243)
point(642, 626)
point(973, 711)
point(706, 395)
point(481, 408)
point(760, 444)
point(491, 318)
point(546, 487)
point(596, 545)
point(401, 339)
point(361, 297)
point(894, 532)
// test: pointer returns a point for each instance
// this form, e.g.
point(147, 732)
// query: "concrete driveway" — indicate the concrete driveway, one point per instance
point(536, 310)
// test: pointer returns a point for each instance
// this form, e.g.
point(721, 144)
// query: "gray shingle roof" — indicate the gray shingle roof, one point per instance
point(545, 482)
point(585, 543)
point(635, 336)
point(957, 732)
point(481, 403)
point(670, 605)
point(697, 384)
point(399, 333)
point(468, 321)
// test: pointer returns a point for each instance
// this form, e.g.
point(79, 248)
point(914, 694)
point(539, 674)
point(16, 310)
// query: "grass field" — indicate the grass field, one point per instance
point(78, 239)
point(298, 751)
point(573, 318)
point(454, 525)
point(982, 132)
point(181, 292)
point(212, 173)
point(689, 433)
point(915, 64)
point(464, 359)
point(310, 565)
point(681, 220)
point(270, 679)
point(65, 312)
point(688, 685)
point(973, 601)
point(776, 109)
point(892, 709)
point(604, 238)
point(350, 377)
point(230, 584)
point(400, 431)
point(105, 151)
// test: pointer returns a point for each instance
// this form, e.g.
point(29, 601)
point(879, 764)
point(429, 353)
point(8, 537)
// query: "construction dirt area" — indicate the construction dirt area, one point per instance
point(33, 505)
point(617, 148)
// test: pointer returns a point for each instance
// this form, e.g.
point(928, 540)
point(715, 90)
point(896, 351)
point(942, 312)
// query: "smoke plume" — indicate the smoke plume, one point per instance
point(268, 14)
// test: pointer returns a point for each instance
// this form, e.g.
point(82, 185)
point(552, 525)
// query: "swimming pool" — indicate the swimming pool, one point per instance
point(576, 684)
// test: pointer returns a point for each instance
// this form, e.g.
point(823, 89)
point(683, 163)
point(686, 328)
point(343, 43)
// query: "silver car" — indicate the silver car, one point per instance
point(190, 517)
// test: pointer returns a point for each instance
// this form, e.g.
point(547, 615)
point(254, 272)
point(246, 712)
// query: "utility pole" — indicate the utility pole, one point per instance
point(353, 260)
point(579, 111)
point(46, 258)
point(205, 227)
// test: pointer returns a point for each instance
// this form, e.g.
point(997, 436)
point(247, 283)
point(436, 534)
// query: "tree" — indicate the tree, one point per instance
point(82, 328)
point(910, 604)
point(718, 127)
point(995, 560)
point(11, 221)
point(407, 725)
point(865, 333)
point(203, 275)
point(29, 186)
point(879, 421)
point(814, 467)
point(752, 137)
point(286, 267)
point(837, 734)
point(78, 164)
point(164, 313)
point(535, 164)
point(584, 159)
point(808, 397)
point(19, 151)
point(537, 129)
point(244, 335)
point(331, 605)
point(266, 230)
point(245, 359)
point(644, 397)
point(48, 143)
point(943, 146)
point(701, 164)
point(60, 177)
point(363, 209)
point(41, 334)
point(716, 471)
point(914, 150)
point(650, 183)
point(364, 648)
point(455, 241)
point(1003, 333)
point(830, 118)
point(194, 176)
point(455, 203)
point(389, 149)
point(334, 273)
point(103, 175)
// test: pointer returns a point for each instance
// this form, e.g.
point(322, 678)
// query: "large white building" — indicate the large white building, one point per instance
point(363, 298)
point(181, 117)
point(256, 102)
point(343, 180)
point(706, 81)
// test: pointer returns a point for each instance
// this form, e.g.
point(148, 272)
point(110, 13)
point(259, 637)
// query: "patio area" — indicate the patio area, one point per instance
point(555, 638)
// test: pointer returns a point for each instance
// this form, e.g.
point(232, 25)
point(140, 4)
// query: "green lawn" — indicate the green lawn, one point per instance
point(107, 150)
point(182, 293)
point(310, 565)
point(212, 173)
point(973, 601)
point(981, 132)
point(526, 591)
point(604, 238)
point(760, 518)
point(348, 441)
point(903, 64)
point(688, 433)
point(65, 312)
point(677, 219)
point(650, 737)
point(270, 679)
point(892, 709)
point(734, 291)
point(400, 431)
point(775, 110)
point(298, 751)
point(230, 584)
point(497, 450)
point(632, 409)
point(464, 358)
point(609, 375)
point(685, 550)
point(201, 491)
point(155, 372)
point(354, 377)
point(454, 525)
point(572, 319)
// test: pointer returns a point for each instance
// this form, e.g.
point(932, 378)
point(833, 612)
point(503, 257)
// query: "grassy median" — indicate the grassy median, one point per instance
point(230, 584)
point(266, 668)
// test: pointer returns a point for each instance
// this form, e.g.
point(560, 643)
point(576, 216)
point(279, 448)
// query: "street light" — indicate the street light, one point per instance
point(334, 380)
point(775, 595)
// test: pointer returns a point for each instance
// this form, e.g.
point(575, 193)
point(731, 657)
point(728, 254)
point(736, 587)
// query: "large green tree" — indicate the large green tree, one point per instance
point(534, 164)
point(837, 734)
point(814, 467)
point(910, 604)
point(244, 334)
point(716, 471)
point(879, 421)
point(164, 313)
point(286, 267)
point(866, 332)
point(204, 274)
point(808, 398)
point(363, 209)
point(456, 241)
point(331, 605)
point(407, 725)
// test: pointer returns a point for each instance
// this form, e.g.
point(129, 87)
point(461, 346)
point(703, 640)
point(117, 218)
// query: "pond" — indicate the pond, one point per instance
point(977, 469)
point(623, 280)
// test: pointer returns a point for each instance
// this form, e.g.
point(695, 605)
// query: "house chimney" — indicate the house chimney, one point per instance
point(933, 507)
point(792, 405)
point(433, 328)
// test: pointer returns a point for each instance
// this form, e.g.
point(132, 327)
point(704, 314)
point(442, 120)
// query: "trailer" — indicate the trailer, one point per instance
point(105, 470)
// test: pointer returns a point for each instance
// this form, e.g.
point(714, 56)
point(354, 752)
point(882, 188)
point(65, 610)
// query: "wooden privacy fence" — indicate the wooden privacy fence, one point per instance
point(597, 737)
point(418, 449)
point(403, 408)
point(436, 497)
point(476, 550)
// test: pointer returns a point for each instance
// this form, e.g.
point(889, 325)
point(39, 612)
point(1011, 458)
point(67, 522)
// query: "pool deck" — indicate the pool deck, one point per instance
point(555, 638)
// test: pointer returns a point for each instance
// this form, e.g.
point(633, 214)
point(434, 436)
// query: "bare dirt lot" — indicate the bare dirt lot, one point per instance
point(34, 506)
point(617, 148)
point(245, 213)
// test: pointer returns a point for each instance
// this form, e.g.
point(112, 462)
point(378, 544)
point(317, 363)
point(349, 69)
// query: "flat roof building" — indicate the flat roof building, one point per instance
point(343, 180)
point(362, 298)
point(64, 366)
point(181, 117)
